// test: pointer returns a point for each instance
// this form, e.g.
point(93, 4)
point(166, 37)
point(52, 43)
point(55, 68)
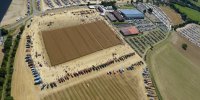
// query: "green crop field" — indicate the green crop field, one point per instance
point(193, 14)
point(176, 72)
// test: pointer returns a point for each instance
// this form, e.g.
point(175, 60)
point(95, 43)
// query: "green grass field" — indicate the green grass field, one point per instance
point(193, 14)
point(176, 75)
point(127, 7)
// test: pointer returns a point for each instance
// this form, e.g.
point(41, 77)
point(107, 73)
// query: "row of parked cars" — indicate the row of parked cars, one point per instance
point(29, 7)
point(144, 25)
point(191, 32)
point(29, 60)
point(157, 12)
point(149, 86)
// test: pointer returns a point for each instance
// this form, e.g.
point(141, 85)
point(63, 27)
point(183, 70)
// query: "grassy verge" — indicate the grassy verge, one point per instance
point(127, 7)
point(117, 23)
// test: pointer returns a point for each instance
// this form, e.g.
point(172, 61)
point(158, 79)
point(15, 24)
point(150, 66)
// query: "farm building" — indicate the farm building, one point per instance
point(129, 30)
point(101, 9)
point(111, 17)
point(132, 14)
point(118, 16)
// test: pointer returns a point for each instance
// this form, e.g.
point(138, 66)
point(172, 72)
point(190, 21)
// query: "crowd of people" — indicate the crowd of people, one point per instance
point(131, 67)
point(83, 12)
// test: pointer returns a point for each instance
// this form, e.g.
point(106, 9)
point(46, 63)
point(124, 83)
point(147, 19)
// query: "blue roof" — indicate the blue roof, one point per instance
point(130, 11)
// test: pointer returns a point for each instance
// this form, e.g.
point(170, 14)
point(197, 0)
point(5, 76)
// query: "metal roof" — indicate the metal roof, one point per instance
point(130, 11)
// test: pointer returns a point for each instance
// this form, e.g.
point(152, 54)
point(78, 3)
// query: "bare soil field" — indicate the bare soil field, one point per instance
point(175, 17)
point(126, 86)
point(73, 42)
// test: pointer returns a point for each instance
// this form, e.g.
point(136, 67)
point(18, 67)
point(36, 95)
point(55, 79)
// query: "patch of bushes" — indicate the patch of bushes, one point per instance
point(184, 46)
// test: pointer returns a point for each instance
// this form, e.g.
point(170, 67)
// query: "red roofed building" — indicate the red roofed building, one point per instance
point(129, 30)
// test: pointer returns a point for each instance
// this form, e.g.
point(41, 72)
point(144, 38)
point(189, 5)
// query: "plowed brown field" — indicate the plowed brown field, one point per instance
point(73, 42)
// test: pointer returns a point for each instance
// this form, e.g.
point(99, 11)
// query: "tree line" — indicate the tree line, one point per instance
point(6, 70)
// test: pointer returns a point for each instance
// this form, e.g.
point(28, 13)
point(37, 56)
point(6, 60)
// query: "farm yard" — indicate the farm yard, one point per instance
point(175, 17)
point(169, 64)
point(126, 86)
point(145, 41)
point(86, 38)
point(192, 14)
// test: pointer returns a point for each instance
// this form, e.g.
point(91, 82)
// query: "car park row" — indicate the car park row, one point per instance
point(157, 12)
point(30, 63)
point(191, 32)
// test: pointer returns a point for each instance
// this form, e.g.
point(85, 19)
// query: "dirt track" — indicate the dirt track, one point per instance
point(82, 40)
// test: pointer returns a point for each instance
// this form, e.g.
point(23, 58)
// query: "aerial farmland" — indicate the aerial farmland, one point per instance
point(99, 50)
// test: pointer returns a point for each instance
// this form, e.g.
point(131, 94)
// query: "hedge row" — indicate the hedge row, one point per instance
point(7, 88)
point(183, 16)
point(3, 72)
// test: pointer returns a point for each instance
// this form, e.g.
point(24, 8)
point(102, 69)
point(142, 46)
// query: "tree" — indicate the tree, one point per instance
point(127, 2)
point(150, 10)
point(2, 72)
point(131, 1)
point(114, 7)
point(88, 3)
point(184, 46)
point(1, 81)
point(9, 98)
point(106, 3)
point(144, 11)
point(3, 32)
